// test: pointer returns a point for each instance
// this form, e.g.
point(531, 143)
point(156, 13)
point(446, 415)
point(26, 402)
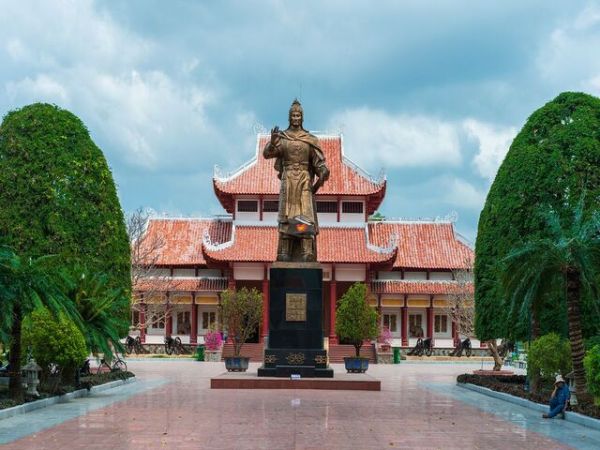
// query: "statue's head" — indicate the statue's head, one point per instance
point(296, 115)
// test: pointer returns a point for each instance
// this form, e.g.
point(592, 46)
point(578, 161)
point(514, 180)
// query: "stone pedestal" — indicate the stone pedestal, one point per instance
point(295, 344)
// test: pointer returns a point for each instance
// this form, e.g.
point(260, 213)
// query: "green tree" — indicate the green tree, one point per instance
point(549, 355)
point(591, 362)
point(553, 159)
point(54, 340)
point(355, 320)
point(565, 263)
point(241, 312)
point(57, 195)
point(25, 285)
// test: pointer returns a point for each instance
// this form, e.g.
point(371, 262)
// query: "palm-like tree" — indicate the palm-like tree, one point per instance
point(564, 264)
point(99, 306)
point(27, 284)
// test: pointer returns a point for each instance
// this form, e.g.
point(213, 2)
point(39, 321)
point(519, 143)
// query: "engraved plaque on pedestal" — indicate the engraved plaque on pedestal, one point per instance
point(295, 307)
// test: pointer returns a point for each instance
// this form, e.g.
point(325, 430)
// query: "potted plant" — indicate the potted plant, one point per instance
point(355, 322)
point(385, 339)
point(212, 343)
point(241, 312)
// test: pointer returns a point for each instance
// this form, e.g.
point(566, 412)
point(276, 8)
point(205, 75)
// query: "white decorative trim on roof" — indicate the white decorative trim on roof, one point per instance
point(207, 242)
point(392, 243)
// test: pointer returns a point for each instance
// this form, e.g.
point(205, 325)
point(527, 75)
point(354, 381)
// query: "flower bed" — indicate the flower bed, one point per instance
point(515, 385)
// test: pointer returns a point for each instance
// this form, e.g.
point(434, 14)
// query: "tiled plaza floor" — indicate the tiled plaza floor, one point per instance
point(172, 407)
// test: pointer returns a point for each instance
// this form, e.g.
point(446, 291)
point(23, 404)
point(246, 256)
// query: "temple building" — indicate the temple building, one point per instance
point(408, 266)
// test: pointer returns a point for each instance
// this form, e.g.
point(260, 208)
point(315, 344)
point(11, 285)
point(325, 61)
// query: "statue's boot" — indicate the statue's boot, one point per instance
point(284, 248)
point(308, 254)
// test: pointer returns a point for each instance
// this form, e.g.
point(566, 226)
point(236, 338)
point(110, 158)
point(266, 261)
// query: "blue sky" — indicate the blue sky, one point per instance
point(432, 92)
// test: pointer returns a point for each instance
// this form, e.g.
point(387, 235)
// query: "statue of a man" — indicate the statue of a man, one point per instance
point(299, 162)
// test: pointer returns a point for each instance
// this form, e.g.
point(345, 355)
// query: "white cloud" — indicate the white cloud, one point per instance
point(373, 137)
point(493, 141)
point(568, 56)
point(461, 193)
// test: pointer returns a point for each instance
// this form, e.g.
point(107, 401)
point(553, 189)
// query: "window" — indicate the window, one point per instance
point(352, 207)
point(327, 207)
point(441, 323)
point(247, 206)
point(183, 323)
point(271, 206)
point(415, 325)
point(390, 321)
point(135, 318)
point(209, 319)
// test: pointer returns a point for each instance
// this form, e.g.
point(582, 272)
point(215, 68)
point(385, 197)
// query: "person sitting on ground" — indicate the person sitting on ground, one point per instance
point(559, 399)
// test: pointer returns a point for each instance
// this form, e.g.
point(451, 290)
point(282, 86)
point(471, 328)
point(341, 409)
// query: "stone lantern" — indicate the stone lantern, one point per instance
point(31, 373)
point(572, 387)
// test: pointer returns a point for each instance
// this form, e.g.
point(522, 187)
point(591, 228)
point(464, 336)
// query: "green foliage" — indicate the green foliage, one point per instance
point(591, 342)
point(57, 195)
point(591, 363)
point(98, 304)
point(552, 161)
point(241, 312)
point(54, 340)
point(355, 320)
point(550, 355)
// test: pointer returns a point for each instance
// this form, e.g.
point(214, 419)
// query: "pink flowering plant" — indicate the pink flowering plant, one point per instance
point(213, 340)
point(385, 337)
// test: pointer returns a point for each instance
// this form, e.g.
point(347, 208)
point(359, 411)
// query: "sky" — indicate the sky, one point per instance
point(431, 92)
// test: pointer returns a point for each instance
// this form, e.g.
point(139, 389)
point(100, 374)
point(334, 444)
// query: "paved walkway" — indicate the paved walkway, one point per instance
point(172, 407)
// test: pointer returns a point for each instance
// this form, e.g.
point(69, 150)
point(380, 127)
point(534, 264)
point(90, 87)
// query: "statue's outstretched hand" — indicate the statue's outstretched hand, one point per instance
point(275, 136)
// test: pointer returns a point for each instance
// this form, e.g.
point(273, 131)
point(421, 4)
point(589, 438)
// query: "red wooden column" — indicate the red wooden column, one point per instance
point(265, 294)
point(430, 320)
point(168, 318)
point(194, 330)
point(404, 324)
point(332, 307)
point(143, 322)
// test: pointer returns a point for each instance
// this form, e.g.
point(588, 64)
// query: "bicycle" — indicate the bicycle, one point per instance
point(134, 345)
point(173, 346)
point(116, 365)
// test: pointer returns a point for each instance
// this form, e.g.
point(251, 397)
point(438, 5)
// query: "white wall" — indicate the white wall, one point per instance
point(248, 271)
point(325, 218)
point(415, 275)
point(350, 272)
point(440, 276)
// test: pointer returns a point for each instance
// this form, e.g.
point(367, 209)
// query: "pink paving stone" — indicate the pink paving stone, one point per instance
point(187, 414)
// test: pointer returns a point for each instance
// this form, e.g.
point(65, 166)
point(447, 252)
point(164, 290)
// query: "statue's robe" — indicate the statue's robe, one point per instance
point(299, 159)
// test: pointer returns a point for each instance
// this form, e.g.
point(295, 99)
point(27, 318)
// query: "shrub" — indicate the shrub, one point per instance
point(213, 340)
point(591, 342)
point(385, 337)
point(241, 312)
point(591, 362)
point(54, 340)
point(549, 355)
point(355, 319)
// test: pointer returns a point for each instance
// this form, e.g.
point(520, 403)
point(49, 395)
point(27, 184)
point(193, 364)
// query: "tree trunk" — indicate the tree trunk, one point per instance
point(493, 347)
point(575, 336)
point(357, 348)
point(15, 387)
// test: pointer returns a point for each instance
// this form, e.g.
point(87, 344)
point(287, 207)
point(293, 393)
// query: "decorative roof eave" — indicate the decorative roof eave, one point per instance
point(428, 287)
point(374, 194)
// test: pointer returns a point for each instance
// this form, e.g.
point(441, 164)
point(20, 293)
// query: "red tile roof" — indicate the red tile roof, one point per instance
point(178, 242)
point(181, 284)
point(423, 245)
point(420, 287)
point(334, 244)
point(258, 177)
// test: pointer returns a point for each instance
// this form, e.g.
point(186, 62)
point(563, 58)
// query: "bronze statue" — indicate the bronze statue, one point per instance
point(299, 161)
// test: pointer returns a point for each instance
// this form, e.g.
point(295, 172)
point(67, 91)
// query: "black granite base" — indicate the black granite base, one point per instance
point(295, 344)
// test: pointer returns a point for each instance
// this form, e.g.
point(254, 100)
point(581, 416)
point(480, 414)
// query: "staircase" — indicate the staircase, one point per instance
point(338, 352)
point(254, 351)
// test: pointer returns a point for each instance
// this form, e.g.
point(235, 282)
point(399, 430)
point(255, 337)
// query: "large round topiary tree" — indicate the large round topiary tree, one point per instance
point(57, 196)
point(552, 163)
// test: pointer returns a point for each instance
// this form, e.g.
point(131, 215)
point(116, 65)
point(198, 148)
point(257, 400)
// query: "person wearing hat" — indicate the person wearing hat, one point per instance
point(559, 399)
